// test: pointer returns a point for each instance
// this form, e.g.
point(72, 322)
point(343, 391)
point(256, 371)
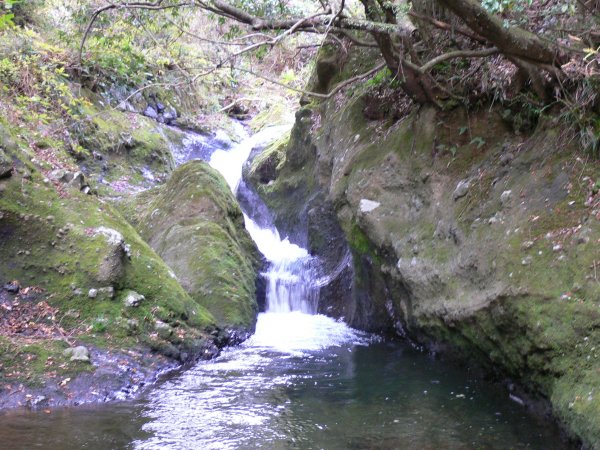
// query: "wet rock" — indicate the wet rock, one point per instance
point(133, 299)
point(461, 189)
point(39, 401)
point(79, 353)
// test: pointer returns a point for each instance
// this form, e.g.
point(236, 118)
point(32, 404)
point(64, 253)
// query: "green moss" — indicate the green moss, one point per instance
point(194, 223)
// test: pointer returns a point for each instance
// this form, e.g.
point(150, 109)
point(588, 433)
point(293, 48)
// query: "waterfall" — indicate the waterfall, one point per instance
point(290, 277)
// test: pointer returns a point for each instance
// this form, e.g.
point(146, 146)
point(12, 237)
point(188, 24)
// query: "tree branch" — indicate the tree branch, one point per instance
point(458, 54)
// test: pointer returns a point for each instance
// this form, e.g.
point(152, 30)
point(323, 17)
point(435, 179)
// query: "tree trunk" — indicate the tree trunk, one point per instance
point(512, 41)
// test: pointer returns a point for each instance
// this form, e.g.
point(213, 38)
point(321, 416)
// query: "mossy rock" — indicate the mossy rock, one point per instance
point(195, 224)
point(62, 243)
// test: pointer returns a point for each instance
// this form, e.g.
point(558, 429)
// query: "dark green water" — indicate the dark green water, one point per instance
point(321, 386)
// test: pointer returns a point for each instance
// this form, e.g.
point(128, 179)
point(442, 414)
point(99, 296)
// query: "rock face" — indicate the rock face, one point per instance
point(6, 165)
point(194, 223)
point(438, 258)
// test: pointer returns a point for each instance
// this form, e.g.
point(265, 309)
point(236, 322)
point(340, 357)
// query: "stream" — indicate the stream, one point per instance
point(302, 381)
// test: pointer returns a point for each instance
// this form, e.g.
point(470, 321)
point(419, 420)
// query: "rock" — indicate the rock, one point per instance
point(6, 165)
point(132, 326)
point(114, 255)
point(196, 226)
point(163, 329)
point(13, 287)
point(151, 112)
point(77, 181)
point(505, 197)
point(160, 107)
point(368, 205)
point(527, 245)
point(170, 115)
point(526, 261)
point(79, 353)
point(133, 299)
point(104, 293)
point(506, 158)
point(461, 189)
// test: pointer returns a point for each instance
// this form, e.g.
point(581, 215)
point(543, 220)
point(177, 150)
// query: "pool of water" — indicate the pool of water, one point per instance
point(302, 382)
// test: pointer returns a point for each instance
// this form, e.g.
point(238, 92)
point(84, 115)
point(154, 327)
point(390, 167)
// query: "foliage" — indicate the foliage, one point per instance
point(34, 75)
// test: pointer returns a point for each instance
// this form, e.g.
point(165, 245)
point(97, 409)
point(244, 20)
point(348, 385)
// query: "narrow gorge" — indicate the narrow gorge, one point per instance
point(336, 225)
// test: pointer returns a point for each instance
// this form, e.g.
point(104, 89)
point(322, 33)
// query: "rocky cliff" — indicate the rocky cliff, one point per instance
point(468, 233)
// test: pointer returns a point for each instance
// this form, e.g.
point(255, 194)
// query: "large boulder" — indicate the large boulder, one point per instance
point(195, 224)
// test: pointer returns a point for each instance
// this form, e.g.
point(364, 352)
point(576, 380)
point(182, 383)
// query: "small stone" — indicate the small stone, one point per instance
point(133, 299)
point(527, 245)
point(461, 189)
point(505, 197)
point(150, 112)
point(79, 353)
point(50, 218)
point(556, 248)
point(93, 293)
point(106, 293)
point(526, 261)
point(132, 324)
point(13, 287)
point(163, 329)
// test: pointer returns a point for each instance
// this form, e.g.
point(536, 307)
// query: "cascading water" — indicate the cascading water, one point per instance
point(290, 277)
